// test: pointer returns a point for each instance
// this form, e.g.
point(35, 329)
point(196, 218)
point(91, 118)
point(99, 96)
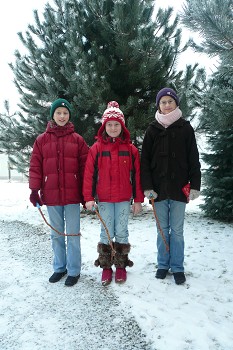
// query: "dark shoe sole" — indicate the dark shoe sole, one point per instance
point(161, 274)
point(56, 276)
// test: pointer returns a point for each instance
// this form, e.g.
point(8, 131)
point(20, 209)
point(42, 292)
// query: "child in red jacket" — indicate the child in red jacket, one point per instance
point(112, 178)
point(56, 170)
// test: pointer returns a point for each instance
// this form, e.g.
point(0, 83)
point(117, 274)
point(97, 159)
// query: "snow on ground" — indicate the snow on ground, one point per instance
point(143, 314)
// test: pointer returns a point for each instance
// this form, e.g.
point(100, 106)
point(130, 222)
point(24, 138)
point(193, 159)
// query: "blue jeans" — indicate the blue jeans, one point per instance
point(66, 219)
point(171, 218)
point(116, 217)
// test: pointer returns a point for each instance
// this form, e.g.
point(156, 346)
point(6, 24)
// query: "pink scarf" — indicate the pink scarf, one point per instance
point(167, 119)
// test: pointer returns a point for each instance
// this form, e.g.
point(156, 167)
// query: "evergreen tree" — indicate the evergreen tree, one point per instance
point(218, 178)
point(213, 19)
point(93, 51)
point(121, 44)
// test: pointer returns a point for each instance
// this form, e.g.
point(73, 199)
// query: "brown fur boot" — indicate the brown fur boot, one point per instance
point(105, 256)
point(121, 259)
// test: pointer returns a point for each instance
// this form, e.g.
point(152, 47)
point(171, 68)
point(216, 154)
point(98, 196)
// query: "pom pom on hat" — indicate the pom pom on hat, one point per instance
point(167, 92)
point(60, 102)
point(113, 112)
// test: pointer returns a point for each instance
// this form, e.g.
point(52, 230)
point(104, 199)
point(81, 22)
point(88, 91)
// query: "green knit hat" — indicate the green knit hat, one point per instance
point(61, 102)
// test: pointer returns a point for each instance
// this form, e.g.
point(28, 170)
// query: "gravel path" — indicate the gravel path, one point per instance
point(35, 314)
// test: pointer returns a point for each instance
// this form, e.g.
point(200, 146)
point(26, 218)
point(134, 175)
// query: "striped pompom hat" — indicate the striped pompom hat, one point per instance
point(113, 112)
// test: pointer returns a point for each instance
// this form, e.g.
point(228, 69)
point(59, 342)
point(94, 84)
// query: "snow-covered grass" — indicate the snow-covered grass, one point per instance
point(197, 315)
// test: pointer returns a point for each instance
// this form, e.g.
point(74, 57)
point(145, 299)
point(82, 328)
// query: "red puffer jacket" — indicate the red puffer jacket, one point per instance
point(112, 172)
point(57, 165)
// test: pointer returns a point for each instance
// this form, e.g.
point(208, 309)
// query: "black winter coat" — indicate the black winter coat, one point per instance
point(170, 160)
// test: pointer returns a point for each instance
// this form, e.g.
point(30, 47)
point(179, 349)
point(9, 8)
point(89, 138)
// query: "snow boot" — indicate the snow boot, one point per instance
point(105, 262)
point(161, 274)
point(106, 277)
point(179, 277)
point(56, 276)
point(121, 275)
point(71, 280)
point(121, 260)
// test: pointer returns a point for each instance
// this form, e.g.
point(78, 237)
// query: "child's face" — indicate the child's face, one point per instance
point(113, 129)
point(61, 116)
point(167, 104)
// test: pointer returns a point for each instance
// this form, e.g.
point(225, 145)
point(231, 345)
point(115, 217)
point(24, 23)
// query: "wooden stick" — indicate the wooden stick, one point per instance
point(158, 223)
point(62, 234)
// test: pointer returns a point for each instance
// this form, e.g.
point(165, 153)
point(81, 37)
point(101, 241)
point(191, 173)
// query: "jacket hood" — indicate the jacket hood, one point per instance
point(125, 135)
